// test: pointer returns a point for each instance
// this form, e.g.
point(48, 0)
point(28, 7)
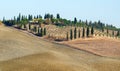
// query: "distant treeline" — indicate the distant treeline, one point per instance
point(59, 21)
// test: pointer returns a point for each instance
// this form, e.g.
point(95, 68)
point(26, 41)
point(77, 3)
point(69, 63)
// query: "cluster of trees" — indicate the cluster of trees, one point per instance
point(22, 20)
point(25, 19)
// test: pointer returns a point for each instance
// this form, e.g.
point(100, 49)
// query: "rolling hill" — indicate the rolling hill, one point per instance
point(21, 51)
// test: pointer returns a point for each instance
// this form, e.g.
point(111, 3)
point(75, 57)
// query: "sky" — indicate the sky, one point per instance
point(108, 11)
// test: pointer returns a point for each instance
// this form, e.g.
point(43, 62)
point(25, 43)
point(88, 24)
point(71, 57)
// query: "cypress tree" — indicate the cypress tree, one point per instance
point(71, 34)
point(29, 26)
point(102, 29)
point(58, 16)
point(67, 36)
point(75, 33)
point(118, 33)
point(3, 20)
point(19, 17)
point(92, 31)
point(79, 33)
point(107, 32)
point(44, 31)
point(113, 33)
point(41, 32)
point(83, 34)
point(75, 21)
point(35, 29)
point(87, 32)
point(25, 26)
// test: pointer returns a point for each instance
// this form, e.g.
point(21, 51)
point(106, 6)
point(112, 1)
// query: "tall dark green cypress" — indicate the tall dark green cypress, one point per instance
point(75, 21)
point(79, 33)
point(75, 33)
point(107, 32)
point(35, 29)
point(19, 17)
point(92, 31)
point(83, 34)
point(58, 16)
point(71, 34)
point(44, 31)
point(102, 29)
point(41, 32)
point(87, 32)
point(29, 26)
point(118, 33)
point(3, 20)
point(24, 26)
point(113, 33)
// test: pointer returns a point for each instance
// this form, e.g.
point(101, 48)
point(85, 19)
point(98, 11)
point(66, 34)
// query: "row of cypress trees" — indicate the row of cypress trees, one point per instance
point(85, 33)
point(73, 35)
point(113, 33)
point(39, 31)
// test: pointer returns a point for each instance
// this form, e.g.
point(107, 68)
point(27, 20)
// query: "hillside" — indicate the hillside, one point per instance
point(103, 46)
point(21, 51)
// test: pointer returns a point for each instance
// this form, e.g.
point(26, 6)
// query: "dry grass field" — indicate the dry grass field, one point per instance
point(20, 51)
point(103, 46)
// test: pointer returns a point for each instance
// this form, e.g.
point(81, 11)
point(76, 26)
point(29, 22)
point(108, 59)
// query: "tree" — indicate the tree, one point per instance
point(107, 32)
point(75, 21)
point(24, 26)
point(3, 20)
point(118, 33)
point(58, 16)
point(103, 29)
point(51, 16)
point(92, 31)
point(40, 16)
point(71, 34)
point(113, 33)
point(90, 23)
point(38, 31)
point(67, 36)
point(87, 32)
point(19, 16)
point(35, 29)
point(48, 15)
point(44, 31)
point(29, 26)
point(86, 22)
point(45, 16)
point(41, 32)
point(100, 24)
point(79, 33)
point(15, 20)
point(75, 33)
point(30, 17)
point(83, 34)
